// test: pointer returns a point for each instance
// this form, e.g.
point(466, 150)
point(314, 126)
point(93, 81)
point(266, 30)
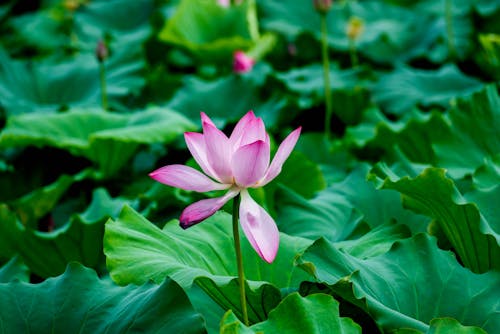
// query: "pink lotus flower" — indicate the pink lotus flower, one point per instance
point(235, 163)
point(242, 63)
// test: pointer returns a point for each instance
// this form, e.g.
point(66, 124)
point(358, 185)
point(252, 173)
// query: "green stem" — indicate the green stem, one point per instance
point(326, 74)
point(449, 28)
point(102, 78)
point(239, 259)
point(352, 52)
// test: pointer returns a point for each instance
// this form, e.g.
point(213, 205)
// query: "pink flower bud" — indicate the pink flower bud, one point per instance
point(322, 6)
point(242, 63)
point(101, 51)
point(224, 3)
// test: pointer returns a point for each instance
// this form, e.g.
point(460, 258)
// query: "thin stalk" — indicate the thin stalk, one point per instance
point(326, 74)
point(102, 78)
point(352, 52)
point(239, 259)
point(449, 28)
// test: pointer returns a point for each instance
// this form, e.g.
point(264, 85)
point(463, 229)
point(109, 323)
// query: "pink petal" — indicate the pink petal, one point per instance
point(201, 210)
point(186, 178)
point(259, 228)
point(239, 129)
point(218, 152)
point(250, 162)
point(196, 145)
point(282, 154)
point(255, 130)
point(206, 119)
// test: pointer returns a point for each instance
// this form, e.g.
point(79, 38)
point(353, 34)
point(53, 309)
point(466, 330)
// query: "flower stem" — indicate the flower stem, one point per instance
point(102, 78)
point(352, 53)
point(449, 28)
point(326, 74)
point(239, 259)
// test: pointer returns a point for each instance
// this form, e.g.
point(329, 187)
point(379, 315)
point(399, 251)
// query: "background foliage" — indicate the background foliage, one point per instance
point(390, 226)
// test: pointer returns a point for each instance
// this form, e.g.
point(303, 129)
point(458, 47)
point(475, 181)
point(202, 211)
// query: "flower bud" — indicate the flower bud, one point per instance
point(322, 6)
point(224, 3)
point(101, 51)
point(71, 5)
point(242, 63)
point(355, 27)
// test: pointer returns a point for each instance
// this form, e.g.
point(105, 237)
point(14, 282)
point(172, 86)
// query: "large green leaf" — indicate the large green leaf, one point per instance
point(45, 85)
point(475, 239)
point(236, 95)
point(137, 251)
point(451, 140)
point(260, 300)
point(313, 314)
point(408, 286)
point(105, 138)
point(486, 7)
point(333, 158)
point(79, 302)
point(47, 253)
point(211, 31)
point(484, 199)
point(343, 210)
point(404, 88)
point(375, 242)
point(211, 311)
point(15, 269)
point(487, 176)
point(299, 174)
point(478, 111)
point(33, 206)
point(444, 326)
point(38, 203)
point(412, 135)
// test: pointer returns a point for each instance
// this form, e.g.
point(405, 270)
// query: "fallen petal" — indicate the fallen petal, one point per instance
point(186, 178)
point(259, 228)
point(201, 210)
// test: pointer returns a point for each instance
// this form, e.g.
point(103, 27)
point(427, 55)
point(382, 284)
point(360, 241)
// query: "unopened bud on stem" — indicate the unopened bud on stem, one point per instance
point(322, 6)
point(355, 28)
point(101, 51)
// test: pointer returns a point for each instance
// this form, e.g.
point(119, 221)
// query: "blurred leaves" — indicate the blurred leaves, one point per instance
point(405, 88)
point(392, 222)
point(107, 139)
point(211, 31)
